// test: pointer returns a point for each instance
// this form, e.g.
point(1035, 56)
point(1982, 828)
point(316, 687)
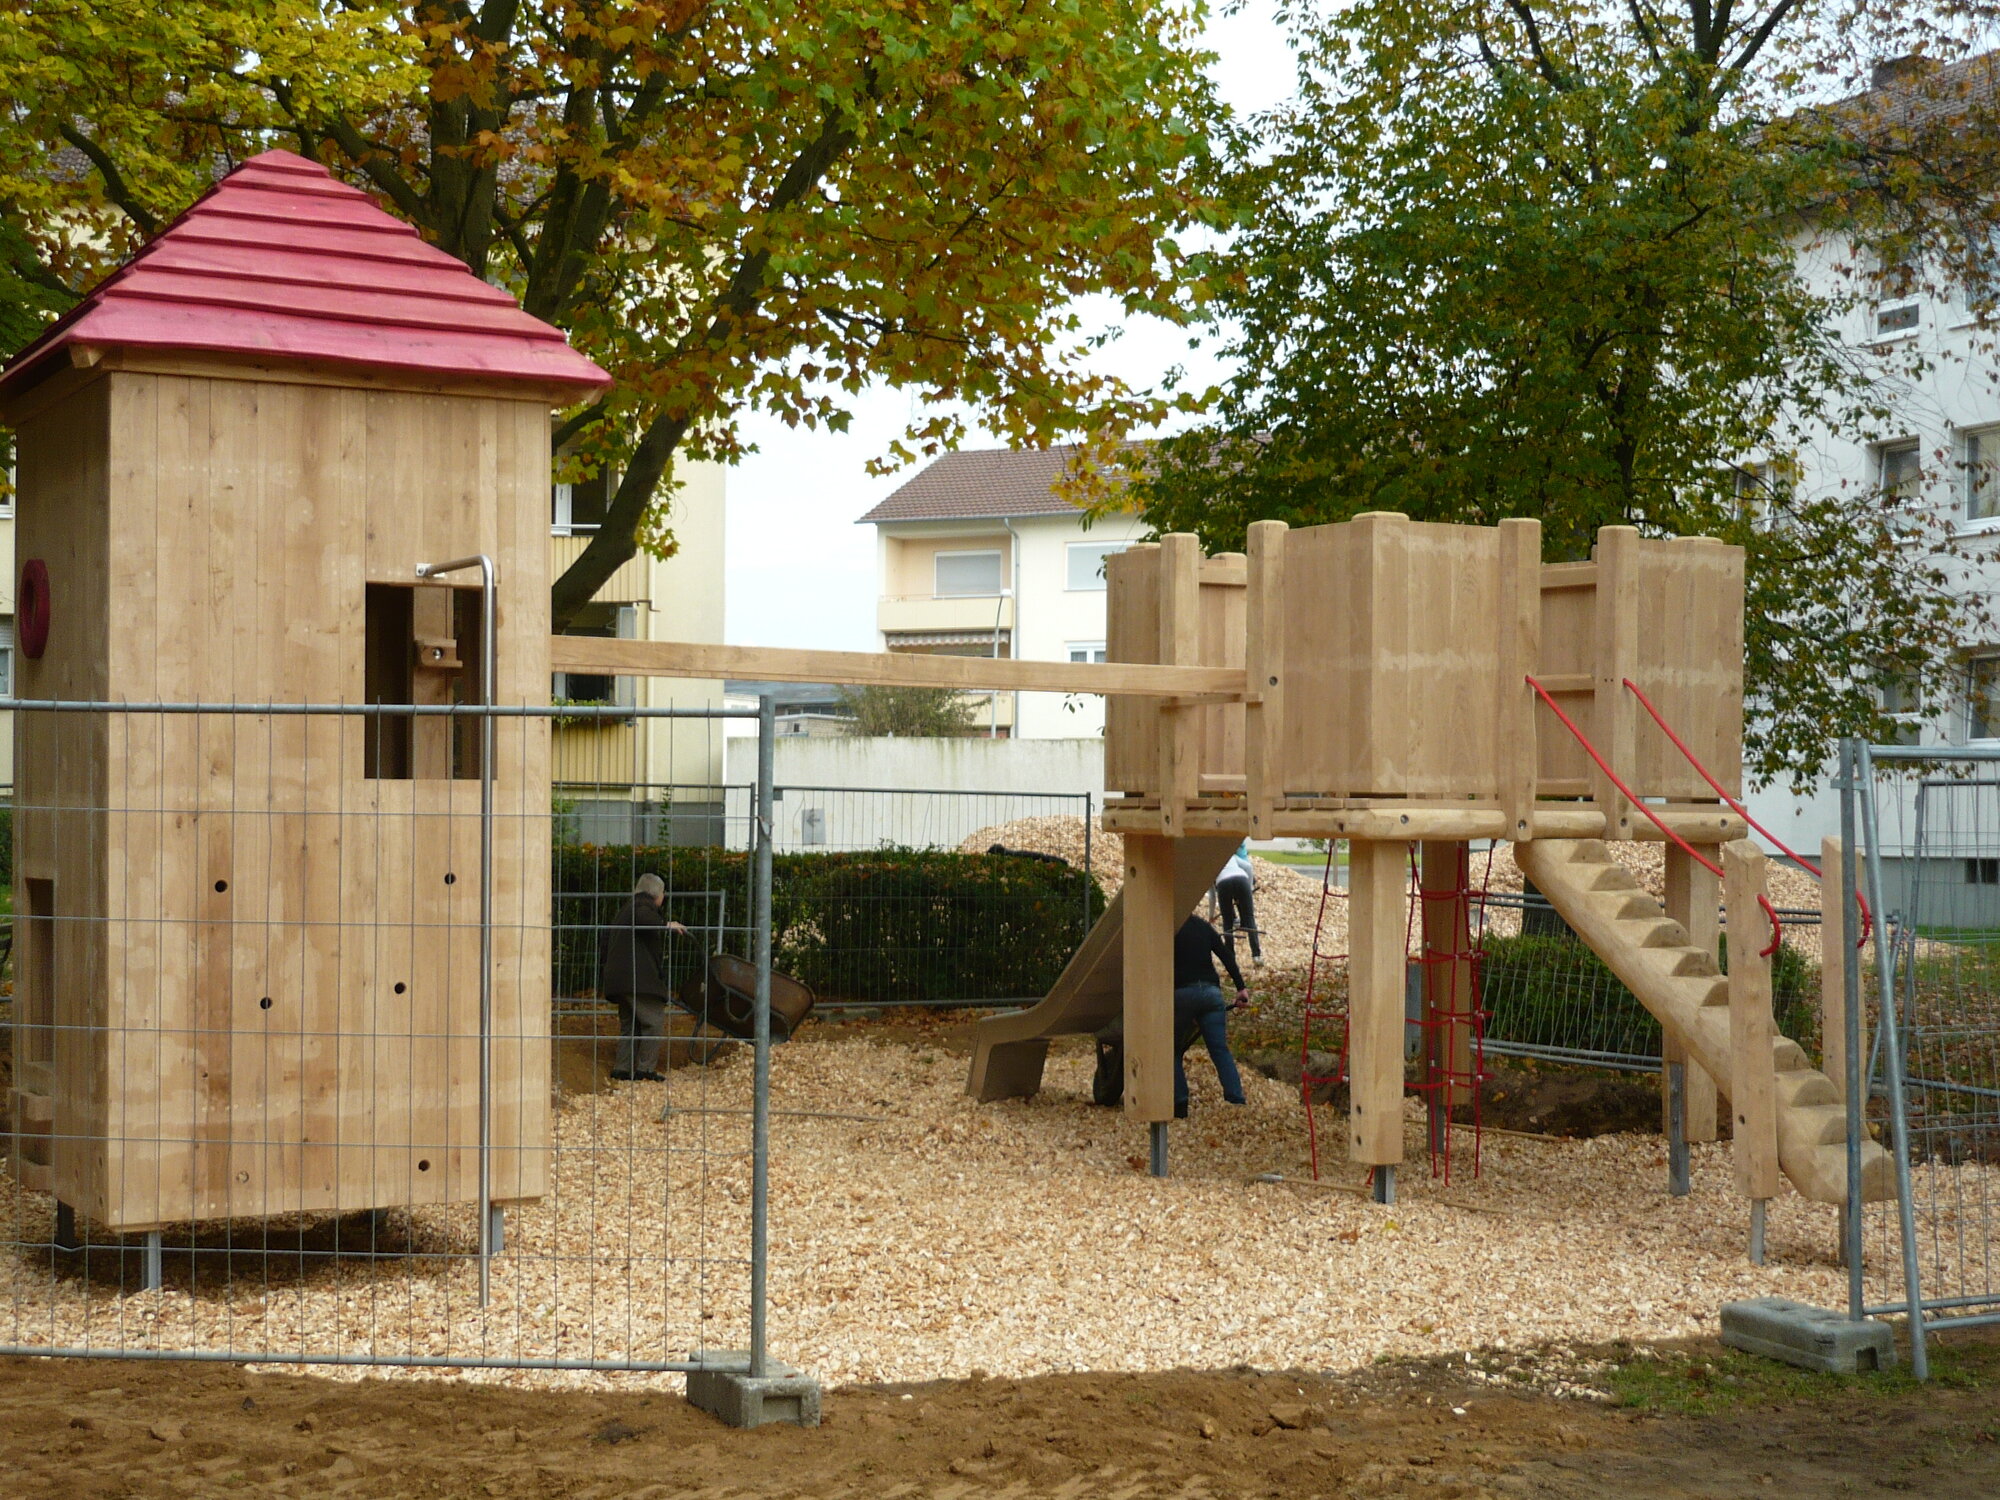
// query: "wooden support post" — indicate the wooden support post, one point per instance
point(1150, 920)
point(1691, 901)
point(1378, 914)
point(1834, 941)
point(434, 668)
point(1753, 1102)
point(1520, 644)
point(1264, 674)
point(1615, 726)
point(1180, 645)
point(1448, 986)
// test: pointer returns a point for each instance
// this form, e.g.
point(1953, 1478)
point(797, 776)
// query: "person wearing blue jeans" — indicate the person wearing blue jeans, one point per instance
point(1199, 1006)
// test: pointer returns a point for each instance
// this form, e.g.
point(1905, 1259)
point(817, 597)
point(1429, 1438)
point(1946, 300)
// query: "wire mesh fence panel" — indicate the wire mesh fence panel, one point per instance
point(912, 896)
point(1939, 885)
point(268, 1103)
point(1547, 996)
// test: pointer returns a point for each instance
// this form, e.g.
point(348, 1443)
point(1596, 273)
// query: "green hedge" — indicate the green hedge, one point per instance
point(1552, 991)
point(888, 926)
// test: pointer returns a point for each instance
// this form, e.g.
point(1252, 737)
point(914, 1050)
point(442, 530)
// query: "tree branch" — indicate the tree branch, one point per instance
point(1758, 38)
point(115, 186)
point(1526, 15)
point(617, 539)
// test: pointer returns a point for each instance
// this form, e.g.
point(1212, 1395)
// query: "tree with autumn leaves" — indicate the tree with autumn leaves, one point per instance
point(732, 207)
point(1616, 264)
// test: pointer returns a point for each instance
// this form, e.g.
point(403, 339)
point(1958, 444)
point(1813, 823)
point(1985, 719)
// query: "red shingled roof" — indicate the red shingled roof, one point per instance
point(281, 261)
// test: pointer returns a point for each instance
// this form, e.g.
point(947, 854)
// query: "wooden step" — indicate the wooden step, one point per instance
point(1820, 1124)
point(1683, 987)
point(34, 1176)
point(1661, 932)
point(1807, 1086)
point(1692, 963)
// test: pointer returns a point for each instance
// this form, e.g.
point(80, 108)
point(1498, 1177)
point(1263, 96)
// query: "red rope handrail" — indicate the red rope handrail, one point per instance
point(1777, 927)
point(1867, 916)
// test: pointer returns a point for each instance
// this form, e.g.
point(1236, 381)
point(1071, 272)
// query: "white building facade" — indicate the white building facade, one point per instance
point(1938, 451)
point(978, 556)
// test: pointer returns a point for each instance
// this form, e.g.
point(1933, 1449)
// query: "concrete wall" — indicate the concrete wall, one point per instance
point(862, 793)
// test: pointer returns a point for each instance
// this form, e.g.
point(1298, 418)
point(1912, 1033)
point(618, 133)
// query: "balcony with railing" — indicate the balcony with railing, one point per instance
point(962, 614)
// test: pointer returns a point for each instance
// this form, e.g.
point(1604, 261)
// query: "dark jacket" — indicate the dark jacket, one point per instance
point(635, 952)
point(1196, 946)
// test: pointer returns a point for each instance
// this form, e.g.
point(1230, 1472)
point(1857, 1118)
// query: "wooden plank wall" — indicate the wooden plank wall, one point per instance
point(1685, 650)
point(60, 776)
point(1133, 725)
point(1132, 633)
point(1391, 657)
point(1566, 665)
point(1690, 663)
point(1224, 606)
point(291, 982)
point(1403, 647)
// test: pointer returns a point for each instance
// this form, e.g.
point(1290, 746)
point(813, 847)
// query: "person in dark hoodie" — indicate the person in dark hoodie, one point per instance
point(633, 977)
point(1199, 1007)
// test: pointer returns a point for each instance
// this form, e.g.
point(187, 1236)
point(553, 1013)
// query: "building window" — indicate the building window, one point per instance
point(1086, 651)
point(6, 656)
point(1982, 695)
point(1982, 871)
point(1897, 307)
point(1982, 475)
point(963, 574)
point(1902, 702)
point(1757, 485)
point(577, 508)
point(1086, 563)
point(1899, 470)
point(592, 689)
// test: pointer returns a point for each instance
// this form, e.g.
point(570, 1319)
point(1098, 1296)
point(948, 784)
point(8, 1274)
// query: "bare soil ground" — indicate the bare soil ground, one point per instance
point(1691, 1420)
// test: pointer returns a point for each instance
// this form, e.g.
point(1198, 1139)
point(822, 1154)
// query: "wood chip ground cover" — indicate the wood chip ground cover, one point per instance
point(935, 1237)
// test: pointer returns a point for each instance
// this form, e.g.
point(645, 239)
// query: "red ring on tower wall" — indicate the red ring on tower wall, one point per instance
point(31, 609)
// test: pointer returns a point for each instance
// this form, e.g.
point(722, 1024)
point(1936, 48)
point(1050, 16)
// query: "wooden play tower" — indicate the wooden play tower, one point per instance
point(1394, 684)
point(1422, 684)
point(248, 976)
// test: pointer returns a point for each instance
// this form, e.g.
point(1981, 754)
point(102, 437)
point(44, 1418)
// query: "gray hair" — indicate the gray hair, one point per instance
point(650, 885)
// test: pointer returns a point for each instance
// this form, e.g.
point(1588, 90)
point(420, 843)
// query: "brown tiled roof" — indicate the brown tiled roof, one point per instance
point(981, 483)
point(1915, 96)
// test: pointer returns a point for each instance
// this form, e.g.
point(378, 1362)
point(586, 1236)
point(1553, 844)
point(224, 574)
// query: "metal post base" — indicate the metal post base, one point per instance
point(66, 1236)
point(152, 1275)
point(496, 1229)
point(1384, 1187)
point(1159, 1131)
point(1757, 1206)
point(1678, 1185)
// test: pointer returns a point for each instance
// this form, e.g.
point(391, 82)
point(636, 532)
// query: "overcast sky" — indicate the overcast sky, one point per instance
point(800, 572)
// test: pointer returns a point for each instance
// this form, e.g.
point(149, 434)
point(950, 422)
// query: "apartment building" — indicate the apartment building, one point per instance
point(635, 780)
point(1938, 450)
point(977, 555)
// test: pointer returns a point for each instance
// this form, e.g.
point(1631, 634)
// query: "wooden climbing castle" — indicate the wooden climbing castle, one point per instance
point(1394, 683)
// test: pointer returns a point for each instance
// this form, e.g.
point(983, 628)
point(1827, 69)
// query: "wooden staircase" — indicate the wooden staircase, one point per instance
point(1684, 987)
